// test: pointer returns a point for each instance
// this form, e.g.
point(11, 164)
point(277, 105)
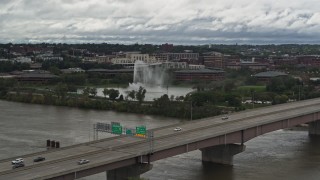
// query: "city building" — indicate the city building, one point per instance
point(249, 64)
point(110, 73)
point(214, 59)
point(268, 75)
point(72, 70)
point(199, 74)
point(163, 57)
point(107, 59)
point(40, 76)
point(130, 58)
point(22, 59)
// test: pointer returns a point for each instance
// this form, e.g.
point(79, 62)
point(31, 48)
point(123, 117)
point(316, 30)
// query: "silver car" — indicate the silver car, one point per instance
point(17, 161)
point(83, 161)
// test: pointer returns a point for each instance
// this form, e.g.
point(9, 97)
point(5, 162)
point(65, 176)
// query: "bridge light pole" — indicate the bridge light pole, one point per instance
point(252, 93)
point(299, 92)
point(191, 111)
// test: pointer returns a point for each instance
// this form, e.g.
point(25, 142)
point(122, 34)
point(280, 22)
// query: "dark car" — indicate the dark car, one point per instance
point(38, 159)
point(17, 165)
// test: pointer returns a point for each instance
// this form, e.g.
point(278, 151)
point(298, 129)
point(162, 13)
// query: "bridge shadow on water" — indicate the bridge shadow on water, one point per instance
point(213, 171)
point(314, 142)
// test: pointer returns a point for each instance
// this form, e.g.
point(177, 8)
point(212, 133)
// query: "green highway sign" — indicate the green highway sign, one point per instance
point(141, 131)
point(129, 132)
point(116, 129)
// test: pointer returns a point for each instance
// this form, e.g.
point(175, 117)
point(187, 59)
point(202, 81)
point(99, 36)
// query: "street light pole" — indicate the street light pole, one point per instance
point(299, 92)
point(252, 99)
point(191, 110)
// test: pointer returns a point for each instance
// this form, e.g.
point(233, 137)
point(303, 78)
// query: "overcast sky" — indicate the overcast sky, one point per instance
point(160, 21)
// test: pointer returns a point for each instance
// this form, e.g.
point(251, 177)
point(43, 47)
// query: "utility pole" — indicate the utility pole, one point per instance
point(299, 91)
point(191, 110)
point(252, 99)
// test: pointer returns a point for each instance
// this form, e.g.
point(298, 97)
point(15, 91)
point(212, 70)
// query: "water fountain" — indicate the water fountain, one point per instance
point(149, 74)
point(152, 77)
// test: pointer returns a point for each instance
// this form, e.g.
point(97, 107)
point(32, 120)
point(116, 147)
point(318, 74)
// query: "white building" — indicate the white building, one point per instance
point(22, 59)
point(196, 67)
point(131, 58)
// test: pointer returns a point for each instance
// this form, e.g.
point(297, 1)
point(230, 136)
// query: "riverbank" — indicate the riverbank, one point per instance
point(162, 107)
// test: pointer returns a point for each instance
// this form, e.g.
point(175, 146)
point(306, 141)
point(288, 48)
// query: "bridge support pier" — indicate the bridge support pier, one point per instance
point(124, 173)
point(314, 128)
point(221, 154)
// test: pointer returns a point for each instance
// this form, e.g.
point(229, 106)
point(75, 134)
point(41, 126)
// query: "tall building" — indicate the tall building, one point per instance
point(213, 59)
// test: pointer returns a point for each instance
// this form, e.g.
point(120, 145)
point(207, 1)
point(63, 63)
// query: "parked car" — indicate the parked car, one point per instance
point(38, 159)
point(17, 165)
point(83, 161)
point(177, 129)
point(225, 117)
point(17, 161)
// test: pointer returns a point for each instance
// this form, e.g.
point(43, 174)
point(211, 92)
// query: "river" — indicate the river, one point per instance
point(283, 154)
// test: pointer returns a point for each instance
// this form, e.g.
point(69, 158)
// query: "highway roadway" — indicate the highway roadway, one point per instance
point(110, 150)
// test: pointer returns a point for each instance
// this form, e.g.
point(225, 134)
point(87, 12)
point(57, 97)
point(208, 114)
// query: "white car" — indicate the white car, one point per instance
point(177, 129)
point(225, 117)
point(83, 161)
point(17, 161)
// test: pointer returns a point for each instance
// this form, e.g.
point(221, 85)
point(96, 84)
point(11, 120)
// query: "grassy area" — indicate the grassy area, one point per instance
point(254, 88)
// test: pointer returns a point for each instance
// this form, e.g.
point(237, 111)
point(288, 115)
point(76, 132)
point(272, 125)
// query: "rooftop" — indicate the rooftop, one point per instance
point(270, 74)
point(200, 71)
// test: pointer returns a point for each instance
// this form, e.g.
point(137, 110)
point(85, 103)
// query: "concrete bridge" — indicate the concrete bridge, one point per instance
point(124, 156)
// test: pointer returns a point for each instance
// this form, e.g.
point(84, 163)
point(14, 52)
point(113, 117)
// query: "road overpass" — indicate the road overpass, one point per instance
point(126, 156)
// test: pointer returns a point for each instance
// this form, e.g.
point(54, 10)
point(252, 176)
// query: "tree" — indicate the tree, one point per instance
point(179, 98)
point(93, 92)
point(278, 99)
point(105, 92)
point(121, 98)
point(140, 95)
point(132, 94)
point(54, 70)
point(161, 102)
point(61, 90)
point(113, 94)
point(86, 91)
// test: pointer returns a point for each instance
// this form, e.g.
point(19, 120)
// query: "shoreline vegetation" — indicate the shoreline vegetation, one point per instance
point(208, 99)
point(162, 106)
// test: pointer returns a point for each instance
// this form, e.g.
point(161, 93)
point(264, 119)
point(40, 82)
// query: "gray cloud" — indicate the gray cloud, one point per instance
point(159, 21)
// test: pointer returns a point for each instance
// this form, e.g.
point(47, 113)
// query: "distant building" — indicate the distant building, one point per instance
point(285, 61)
point(35, 65)
point(22, 59)
point(310, 60)
point(166, 47)
point(131, 58)
point(268, 75)
point(34, 76)
point(163, 57)
point(251, 64)
point(6, 76)
point(200, 74)
point(214, 59)
point(195, 67)
point(174, 65)
point(72, 70)
point(49, 57)
point(110, 73)
point(99, 59)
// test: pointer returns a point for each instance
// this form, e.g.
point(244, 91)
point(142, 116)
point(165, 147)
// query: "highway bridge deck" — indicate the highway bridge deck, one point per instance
point(112, 150)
